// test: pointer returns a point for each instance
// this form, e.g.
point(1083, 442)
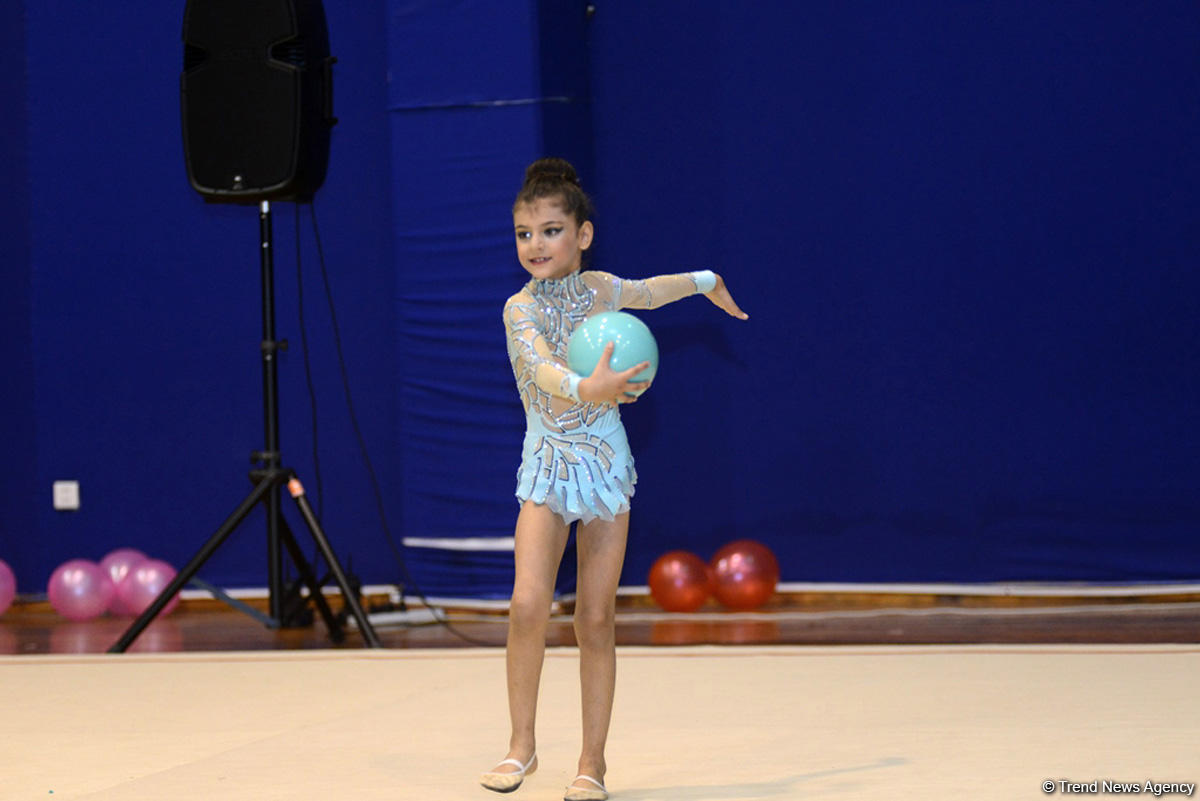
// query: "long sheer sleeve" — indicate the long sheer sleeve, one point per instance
point(647, 293)
point(536, 364)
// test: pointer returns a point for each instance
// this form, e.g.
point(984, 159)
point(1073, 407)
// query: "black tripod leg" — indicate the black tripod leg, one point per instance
point(138, 626)
point(310, 580)
point(364, 625)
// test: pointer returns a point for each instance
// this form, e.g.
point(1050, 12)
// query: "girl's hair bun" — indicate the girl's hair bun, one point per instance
point(551, 169)
point(555, 178)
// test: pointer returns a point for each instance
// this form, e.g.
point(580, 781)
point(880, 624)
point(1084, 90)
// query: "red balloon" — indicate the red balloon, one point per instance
point(746, 573)
point(679, 581)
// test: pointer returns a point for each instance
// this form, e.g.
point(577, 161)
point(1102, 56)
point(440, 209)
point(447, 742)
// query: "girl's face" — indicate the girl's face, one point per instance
point(550, 243)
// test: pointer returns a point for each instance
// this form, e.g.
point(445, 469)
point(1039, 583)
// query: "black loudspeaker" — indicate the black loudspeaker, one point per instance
point(256, 97)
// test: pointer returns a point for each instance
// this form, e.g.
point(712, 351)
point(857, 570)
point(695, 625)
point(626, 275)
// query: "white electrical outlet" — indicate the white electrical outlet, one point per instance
point(66, 496)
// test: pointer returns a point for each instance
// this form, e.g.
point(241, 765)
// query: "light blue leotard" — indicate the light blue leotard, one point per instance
point(575, 457)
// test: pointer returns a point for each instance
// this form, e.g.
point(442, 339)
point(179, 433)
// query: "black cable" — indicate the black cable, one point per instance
point(312, 392)
point(362, 446)
point(308, 377)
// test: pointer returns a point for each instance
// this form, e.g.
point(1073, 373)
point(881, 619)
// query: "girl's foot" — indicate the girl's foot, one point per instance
point(508, 774)
point(586, 788)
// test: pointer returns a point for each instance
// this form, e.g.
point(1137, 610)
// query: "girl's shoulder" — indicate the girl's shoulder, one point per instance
point(517, 303)
point(598, 278)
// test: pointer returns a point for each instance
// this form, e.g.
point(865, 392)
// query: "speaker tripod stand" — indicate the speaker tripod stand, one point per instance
point(268, 482)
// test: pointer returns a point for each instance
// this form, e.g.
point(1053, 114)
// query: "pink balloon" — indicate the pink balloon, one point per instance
point(8, 586)
point(144, 583)
point(80, 590)
point(119, 564)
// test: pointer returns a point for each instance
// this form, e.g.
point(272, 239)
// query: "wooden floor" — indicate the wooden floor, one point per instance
point(34, 628)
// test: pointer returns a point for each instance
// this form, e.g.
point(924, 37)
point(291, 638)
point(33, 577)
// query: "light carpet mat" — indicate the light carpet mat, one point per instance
point(690, 724)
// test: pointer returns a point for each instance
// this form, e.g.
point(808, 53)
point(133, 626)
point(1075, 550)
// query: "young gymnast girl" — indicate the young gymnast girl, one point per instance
point(575, 464)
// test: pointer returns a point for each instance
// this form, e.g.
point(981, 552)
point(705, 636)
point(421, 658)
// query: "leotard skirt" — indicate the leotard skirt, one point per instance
point(582, 474)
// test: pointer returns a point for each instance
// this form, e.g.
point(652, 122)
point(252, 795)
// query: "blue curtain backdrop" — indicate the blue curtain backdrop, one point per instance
point(965, 234)
point(143, 324)
point(17, 483)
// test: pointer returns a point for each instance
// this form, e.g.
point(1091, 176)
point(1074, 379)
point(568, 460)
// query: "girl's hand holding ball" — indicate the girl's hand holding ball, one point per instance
point(606, 385)
point(604, 348)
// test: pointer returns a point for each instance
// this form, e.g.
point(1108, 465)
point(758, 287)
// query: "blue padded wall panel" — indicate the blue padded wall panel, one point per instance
point(461, 419)
point(461, 53)
point(481, 99)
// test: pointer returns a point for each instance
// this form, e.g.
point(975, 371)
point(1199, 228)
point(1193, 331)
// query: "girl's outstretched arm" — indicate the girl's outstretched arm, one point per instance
point(651, 293)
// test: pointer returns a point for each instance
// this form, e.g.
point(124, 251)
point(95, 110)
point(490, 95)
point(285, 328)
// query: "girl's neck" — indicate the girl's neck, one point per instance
point(553, 282)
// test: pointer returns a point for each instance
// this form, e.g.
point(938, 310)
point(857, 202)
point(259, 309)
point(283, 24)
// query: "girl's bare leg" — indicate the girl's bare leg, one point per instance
point(601, 547)
point(541, 537)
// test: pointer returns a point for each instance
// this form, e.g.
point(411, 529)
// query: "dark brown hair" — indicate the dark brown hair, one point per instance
point(555, 178)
